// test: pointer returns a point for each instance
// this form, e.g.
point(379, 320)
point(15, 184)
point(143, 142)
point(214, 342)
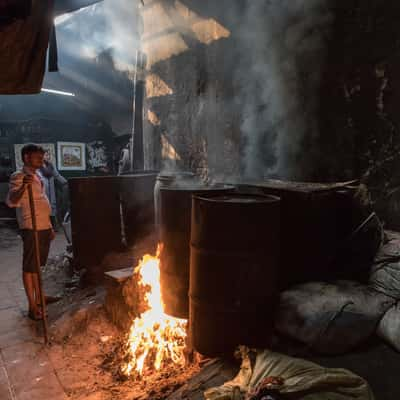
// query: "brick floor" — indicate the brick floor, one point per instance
point(26, 372)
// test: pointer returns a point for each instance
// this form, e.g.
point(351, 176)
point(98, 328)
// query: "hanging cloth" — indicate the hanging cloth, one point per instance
point(23, 45)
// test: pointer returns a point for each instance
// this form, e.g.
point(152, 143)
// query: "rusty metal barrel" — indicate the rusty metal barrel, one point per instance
point(95, 221)
point(235, 242)
point(96, 217)
point(136, 194)
point(167, 179)
point(316, 217)
point(175, 216)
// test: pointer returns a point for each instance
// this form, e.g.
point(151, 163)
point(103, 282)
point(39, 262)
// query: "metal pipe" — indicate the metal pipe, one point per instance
point(132, 140)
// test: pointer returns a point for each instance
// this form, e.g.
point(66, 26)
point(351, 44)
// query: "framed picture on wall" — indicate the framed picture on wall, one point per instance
point(71, 156)
point(97, 159)
point(48, 147)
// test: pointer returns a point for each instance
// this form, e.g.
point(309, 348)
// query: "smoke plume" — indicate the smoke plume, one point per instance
point(282, 45)
point(257, 67)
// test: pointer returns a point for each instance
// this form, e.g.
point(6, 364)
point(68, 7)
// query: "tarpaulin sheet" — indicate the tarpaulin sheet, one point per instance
point(301, 379)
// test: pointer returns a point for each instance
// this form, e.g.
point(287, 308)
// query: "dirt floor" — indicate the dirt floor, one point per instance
point(86, 349)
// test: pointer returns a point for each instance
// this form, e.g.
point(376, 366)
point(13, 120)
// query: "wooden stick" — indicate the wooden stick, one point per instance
point(37, 262)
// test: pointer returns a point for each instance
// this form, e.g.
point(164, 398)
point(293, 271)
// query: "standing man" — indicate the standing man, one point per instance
point(18, 197)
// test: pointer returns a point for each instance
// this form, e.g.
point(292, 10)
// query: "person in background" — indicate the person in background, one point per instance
point(18, 197)
point(124, 164)
point(48, 174)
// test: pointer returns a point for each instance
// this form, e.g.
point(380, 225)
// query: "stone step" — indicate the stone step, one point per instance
point(119, 292)
point(119, 275)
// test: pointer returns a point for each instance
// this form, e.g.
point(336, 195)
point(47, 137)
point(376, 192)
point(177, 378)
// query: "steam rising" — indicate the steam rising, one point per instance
point(283, 45)
point(279, 47)
point(265, 81)
point(279, 54)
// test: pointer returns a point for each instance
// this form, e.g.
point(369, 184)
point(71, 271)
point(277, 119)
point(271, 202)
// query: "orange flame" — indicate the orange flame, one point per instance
point(154, 338)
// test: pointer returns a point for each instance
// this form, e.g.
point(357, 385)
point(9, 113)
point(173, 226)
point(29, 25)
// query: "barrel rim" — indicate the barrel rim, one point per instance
point(94, 177)
point(215, 198)
point(139, 171)
point(116, 177)
point(138, 174)
point(175, 174)
point(200, 188)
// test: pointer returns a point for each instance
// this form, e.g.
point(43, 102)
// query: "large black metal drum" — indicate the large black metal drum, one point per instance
point(95, 220)
point(166, 180)
point(233, 271)
point(97, 205)
point(137, 201)
point(175, 215)
point(316, 219)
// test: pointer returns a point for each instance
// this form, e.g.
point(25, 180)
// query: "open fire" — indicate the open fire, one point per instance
point(155, 339)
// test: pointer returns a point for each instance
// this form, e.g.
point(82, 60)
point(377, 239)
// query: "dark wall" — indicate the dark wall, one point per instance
point(52, 131)
point(360, 97)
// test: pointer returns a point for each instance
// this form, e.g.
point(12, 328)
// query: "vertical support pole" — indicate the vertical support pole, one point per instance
point(132, 140)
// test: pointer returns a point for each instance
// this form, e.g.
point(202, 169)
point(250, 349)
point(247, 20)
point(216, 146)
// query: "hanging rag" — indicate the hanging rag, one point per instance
point(23, 45)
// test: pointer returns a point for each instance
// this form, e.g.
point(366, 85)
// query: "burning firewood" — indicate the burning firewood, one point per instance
point(155, 340)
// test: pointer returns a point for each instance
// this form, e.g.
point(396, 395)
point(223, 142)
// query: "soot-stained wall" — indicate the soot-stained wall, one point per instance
point(360, 100)
point(188, 54)
point(297, 90)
